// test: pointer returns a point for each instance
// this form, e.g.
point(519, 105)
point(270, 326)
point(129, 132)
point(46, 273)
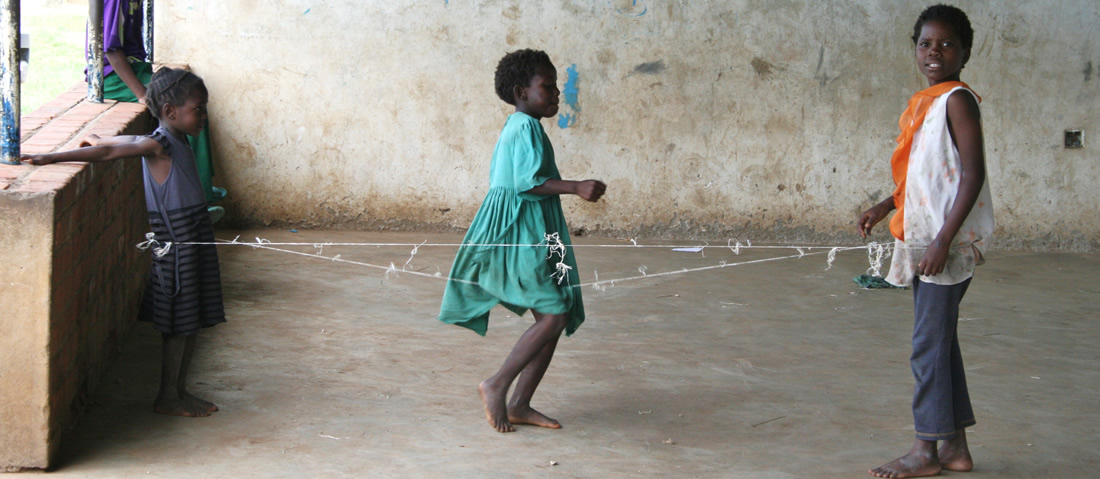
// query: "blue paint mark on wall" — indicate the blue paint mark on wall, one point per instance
point(570, 91)
point(9, 143)
point(633, 10)
point(565, 120)
point(307, 11)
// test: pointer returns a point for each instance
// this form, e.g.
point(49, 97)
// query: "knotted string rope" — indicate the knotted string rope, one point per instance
point(151, 242)
point(555, 248)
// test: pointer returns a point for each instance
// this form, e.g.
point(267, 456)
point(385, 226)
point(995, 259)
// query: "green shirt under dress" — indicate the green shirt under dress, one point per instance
point(517, 277)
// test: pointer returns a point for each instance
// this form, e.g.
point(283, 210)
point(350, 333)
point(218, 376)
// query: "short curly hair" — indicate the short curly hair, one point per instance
point(518, 68)
point(949, 15)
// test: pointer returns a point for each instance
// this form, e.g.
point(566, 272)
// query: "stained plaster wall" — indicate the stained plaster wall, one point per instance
point(24, 332)
point(767, 120)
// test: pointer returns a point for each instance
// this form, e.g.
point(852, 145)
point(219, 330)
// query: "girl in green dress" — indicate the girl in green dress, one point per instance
point(521, 208)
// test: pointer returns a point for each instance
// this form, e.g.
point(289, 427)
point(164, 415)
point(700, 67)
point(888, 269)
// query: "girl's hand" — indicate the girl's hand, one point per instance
point(34, 159)
point(90, 140)
point(871, 217)
point(590, 190)
point(934, 259)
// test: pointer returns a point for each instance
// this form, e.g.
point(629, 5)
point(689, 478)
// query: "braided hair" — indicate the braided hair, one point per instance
point(172, 86)
point(517, 69)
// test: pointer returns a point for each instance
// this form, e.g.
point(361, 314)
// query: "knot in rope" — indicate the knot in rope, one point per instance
point(557, 248)
point(151, 242)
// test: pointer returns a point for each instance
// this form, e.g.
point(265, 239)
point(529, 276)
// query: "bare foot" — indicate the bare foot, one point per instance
point(955, 455)
point(910, 465)
point(530, 416)
point(495, 412)
point(179, 407)
point(200, 402)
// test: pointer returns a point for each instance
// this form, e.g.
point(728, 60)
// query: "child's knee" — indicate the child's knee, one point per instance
point(557, 322)
point(561, 322)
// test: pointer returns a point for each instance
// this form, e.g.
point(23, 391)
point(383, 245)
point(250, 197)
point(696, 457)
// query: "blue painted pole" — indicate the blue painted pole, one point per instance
point(9, 82)
point(95, 51)
point(147, 30)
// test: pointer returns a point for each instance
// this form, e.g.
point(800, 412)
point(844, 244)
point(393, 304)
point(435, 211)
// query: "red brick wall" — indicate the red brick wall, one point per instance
point(97, 274)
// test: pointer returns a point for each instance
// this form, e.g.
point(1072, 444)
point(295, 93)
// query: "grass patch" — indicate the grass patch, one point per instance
point(57, 52)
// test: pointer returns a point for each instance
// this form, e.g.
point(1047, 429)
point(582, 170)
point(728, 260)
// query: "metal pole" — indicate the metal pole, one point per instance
point(147, 30)
point(9, 82)
point(95, 51)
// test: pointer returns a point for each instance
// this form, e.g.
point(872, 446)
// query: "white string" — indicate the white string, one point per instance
point(555, 246)
point(875, 253)
point(600, 285)
point(735, 248)
point(390, 270)
point(151, 242)
point(411, 255)
point(832, 257)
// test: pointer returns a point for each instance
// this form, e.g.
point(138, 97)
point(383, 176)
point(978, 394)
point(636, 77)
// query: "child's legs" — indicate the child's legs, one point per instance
point(547, 329)
point(173, 398)
point(179, 349)
point(171, 365)
point(185, 362)
point(531, 355)
point(940, 401)
point(532, 375)
point(185, 366)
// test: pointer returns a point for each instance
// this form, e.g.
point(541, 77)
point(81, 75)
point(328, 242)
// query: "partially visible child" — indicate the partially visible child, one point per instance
point(943, 226)
point(521, 208)
point(183, 293)
point(126, 72)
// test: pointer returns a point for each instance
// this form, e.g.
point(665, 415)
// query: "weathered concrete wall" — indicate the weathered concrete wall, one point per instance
point(24, 353)
point(71, 277)
point(768, 120)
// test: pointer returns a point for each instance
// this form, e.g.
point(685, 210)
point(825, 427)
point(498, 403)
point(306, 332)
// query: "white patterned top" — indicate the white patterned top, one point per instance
point(932, 182)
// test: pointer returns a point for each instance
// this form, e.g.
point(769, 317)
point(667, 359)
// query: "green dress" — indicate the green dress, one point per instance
point(516, 277)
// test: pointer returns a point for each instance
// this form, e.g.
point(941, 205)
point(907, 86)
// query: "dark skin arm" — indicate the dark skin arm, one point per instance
point(95, 148)
point(117, 59)
point(590, 190)
point(871, 217)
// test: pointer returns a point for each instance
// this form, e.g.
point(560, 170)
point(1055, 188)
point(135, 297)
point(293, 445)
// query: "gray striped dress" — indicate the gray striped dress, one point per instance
point(184, 291)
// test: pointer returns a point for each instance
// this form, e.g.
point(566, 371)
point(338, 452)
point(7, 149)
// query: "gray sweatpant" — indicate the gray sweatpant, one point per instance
point(941, 403)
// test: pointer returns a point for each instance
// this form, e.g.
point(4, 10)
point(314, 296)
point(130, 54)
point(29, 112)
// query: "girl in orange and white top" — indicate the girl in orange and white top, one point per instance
point(942, 228)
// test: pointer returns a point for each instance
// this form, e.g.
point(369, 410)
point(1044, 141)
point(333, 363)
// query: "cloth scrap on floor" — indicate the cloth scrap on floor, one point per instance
point(867, 281)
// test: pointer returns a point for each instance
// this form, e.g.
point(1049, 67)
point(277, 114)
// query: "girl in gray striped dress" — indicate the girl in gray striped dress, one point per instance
point(183, 293)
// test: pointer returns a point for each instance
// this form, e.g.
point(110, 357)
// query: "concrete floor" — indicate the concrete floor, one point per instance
point(770, 370)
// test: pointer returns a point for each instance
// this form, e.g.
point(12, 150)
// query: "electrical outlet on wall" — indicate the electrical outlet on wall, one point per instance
point(1075, 139)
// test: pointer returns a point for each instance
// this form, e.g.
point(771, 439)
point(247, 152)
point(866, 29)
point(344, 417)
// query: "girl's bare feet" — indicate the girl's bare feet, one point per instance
point(495, 411)
point(200, 402)
point(954, 454)
point(179, 407)
point(907, 466)
point(527, 415)
point(921, 461)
